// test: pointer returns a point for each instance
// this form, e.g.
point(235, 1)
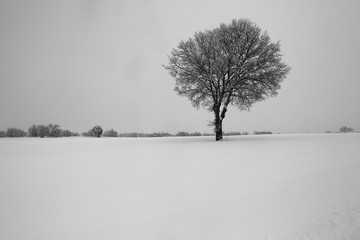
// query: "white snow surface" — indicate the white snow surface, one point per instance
point(284, 187)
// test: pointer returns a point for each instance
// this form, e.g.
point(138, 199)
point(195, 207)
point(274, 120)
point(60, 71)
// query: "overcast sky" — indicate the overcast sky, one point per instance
point(81, 63)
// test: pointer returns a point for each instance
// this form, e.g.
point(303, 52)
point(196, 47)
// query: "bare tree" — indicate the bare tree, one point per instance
point(233, 64)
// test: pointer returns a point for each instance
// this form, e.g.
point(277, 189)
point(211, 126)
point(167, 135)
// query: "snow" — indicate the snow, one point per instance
point(284, 187)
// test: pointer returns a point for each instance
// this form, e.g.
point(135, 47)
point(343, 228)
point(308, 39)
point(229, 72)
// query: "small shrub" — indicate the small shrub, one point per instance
point(15, 132)
point(2, 134)
point(110, 133)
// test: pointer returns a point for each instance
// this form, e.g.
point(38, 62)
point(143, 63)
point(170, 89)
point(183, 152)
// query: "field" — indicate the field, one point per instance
point(284, 187)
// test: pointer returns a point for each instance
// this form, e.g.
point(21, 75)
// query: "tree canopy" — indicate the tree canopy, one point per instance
point(234, 64)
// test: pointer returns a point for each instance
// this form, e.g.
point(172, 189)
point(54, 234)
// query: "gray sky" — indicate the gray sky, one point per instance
point(81, 63)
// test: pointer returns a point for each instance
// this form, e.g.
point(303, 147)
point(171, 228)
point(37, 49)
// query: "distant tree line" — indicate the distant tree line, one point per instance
point(235, 133)
point(13, 132)
point(344, 129)
point(50, 130)
point(136, 134)
point(179, 134)
point(262, 132)
point(110, 133)
point(54, 130)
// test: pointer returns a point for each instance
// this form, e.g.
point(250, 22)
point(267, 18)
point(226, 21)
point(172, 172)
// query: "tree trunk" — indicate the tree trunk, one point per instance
point(218, 127)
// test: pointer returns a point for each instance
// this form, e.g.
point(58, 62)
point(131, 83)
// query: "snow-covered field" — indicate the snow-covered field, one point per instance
point(284, 187)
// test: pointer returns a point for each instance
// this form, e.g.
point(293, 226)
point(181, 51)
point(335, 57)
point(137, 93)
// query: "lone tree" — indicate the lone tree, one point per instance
point(97, 131)
point(346, 129)
point(234, 64)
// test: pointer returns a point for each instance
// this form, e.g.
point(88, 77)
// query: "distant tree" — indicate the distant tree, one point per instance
point(127, 134)
point(43, 131)
point(33, 131)
point(234, 64)
point(158, 134)
point(2, 134)
point(262, 132)
point(68, 133)
point(97, 131)
point(110, 133)
point(50, 130)
point(346, 129)
point(182, 134)
point(232, 133)
point(54, 130)
point(195, 134)
point(15, 132)
point(208, 134)
point(89, 133)
point(131, 134)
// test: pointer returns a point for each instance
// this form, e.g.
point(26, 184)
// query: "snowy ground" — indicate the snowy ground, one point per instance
point(284, 187)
